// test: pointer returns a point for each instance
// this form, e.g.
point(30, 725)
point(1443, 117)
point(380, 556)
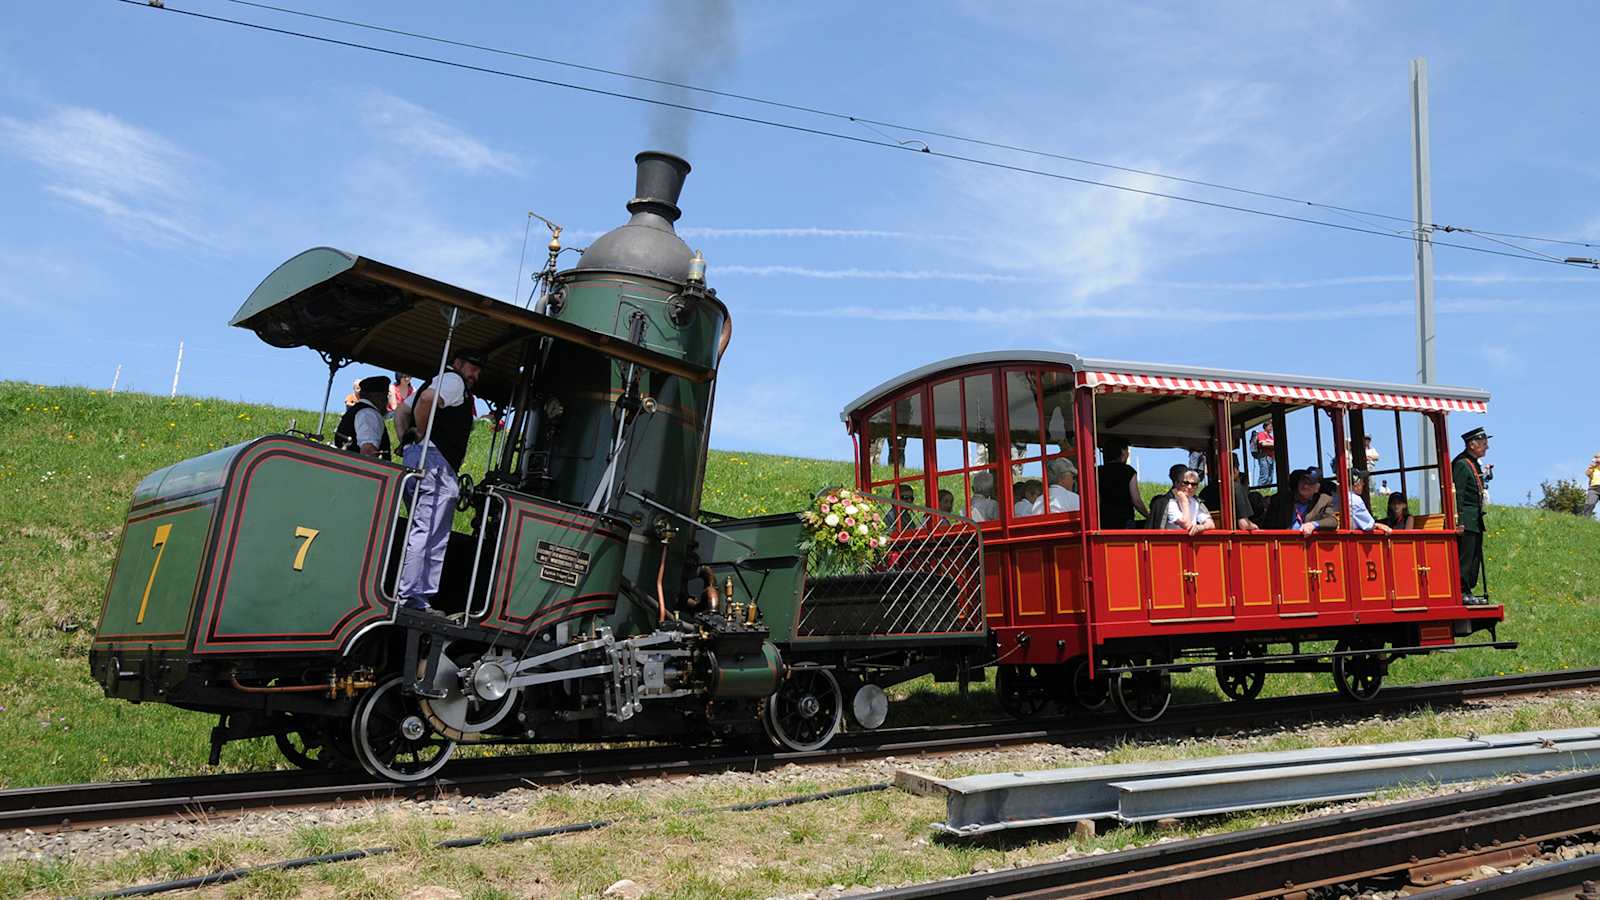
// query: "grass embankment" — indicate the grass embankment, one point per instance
point(73, 457)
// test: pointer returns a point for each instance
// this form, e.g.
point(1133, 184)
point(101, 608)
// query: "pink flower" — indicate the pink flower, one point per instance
point(844, 537)
point(849, 522)
point(872, 543)
point(826, 507)
point(833, 498)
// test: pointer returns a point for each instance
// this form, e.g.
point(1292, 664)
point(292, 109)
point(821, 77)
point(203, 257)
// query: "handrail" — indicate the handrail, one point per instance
point(388, 553)
point(490, 495)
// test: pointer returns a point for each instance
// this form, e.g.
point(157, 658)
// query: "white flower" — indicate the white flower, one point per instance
point(861, 529)
point(831, 520)
point(850, 510)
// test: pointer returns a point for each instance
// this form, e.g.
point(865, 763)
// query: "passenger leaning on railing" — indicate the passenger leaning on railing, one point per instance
point(1184, 509)
point(1360, 517)
point(1303, 507)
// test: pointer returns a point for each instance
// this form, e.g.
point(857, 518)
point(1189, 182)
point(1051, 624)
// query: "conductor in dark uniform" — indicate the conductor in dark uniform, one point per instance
point(362, 429)
point(1467, 474)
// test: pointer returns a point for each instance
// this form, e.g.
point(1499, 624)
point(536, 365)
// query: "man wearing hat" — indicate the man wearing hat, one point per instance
point(361, 430)
point(447, 403)
point(1467, 474)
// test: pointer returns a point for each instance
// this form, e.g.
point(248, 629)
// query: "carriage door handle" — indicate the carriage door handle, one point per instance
point(1190, 576)
point(1314, 573)
point(1424, 569)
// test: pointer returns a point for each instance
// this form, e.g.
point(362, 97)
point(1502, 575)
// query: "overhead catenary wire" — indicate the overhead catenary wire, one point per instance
point(822, 132)
point(876, 124)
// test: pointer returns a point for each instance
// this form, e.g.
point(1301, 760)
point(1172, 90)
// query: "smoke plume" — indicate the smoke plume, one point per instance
point(690, 42)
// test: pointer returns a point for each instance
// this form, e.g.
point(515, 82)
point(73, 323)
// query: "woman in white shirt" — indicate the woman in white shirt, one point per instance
point(1184, 510)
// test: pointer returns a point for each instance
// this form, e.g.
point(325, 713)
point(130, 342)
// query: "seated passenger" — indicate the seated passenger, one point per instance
point(1119, 488)
point(1360, 517)
point(1184, 510)
point(1026, 492)
point(1303, 507)
point(1157, 517)
point(1063, 496)
point(362, 429)
point(1212, 498)
point(985, 508)
point(1400, 517)
point(900, 518)
point(947, 501)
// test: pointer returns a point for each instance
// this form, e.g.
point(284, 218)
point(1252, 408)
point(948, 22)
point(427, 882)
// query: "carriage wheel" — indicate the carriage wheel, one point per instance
point(1089, 694)
point(1142, 696)
point(1241, 682)
point(1360, 677)
point(1023, 691)
point(392, 739)
point(805, 711)
point(314, 747)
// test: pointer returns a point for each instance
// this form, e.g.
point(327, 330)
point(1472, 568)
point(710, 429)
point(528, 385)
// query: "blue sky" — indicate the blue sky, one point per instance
point(154, 168)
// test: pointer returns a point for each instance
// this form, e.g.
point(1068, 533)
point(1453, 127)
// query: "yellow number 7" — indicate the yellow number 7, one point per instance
point(159, 541)
point(310, 534)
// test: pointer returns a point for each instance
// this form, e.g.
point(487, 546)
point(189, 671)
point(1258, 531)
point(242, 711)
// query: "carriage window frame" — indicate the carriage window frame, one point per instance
point(969, 467)
point(1069, 451)
point(918, 395)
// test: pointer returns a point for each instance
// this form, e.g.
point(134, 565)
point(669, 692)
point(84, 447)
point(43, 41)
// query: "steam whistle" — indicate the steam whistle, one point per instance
point(752, 613)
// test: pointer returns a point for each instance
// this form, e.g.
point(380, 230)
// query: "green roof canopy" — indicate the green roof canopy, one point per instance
point(365, 311)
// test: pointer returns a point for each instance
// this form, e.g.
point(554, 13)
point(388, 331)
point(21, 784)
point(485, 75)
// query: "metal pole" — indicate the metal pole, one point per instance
point(117, 376)
point(327, 394)
point(1422, 196)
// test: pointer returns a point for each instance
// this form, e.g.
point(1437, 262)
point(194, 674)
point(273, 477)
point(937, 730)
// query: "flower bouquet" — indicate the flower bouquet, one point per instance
point(845, 532)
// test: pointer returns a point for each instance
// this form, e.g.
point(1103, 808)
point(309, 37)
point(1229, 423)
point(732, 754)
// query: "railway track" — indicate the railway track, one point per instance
point(1419, 845)
point(85, 805)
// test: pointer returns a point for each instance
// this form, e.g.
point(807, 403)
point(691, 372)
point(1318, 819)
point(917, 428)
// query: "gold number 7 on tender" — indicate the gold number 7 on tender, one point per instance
point(159, 544)
point(310, 534)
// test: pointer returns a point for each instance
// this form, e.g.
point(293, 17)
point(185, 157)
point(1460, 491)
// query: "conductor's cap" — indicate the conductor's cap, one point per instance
point(1476, 434)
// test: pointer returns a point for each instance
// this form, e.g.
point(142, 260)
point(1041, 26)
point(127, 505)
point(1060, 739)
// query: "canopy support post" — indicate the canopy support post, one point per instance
point(334, 365)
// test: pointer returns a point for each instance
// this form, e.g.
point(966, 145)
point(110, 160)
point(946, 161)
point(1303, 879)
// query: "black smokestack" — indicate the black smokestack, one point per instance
point(657, 184)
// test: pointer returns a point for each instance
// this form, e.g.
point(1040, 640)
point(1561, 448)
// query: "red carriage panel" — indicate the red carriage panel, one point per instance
point(1438, 579)
point(1208, 581)
point(1069, 581)
point(1253, 588)
point(1294, 575)
point(1027, 566)
point(995, 572)
point(1167, 579)
point(1329, 578)
point(1405, 568)
point(1124, 580)
point(1371, 574)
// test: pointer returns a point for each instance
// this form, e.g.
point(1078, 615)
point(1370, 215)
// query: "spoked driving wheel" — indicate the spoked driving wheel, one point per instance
point(1089, 694)
point(1359, 677)
point(1241, 682)
point(315, 746)
point(392, 738)
point(805, 711)
point(1023, 691)
point(1142, 696)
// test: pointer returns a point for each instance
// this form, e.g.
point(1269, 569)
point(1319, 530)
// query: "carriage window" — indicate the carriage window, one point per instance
point(905, 443)
point(1043, 443)
point(1022, 408)
point(964, 447)
point(1395, 459)
point(1160, 431)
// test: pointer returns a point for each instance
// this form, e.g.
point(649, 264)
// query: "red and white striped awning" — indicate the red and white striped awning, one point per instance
point(1244, 390)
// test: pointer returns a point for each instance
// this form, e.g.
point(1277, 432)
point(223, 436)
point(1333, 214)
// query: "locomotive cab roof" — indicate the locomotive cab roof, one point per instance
point(355, 309)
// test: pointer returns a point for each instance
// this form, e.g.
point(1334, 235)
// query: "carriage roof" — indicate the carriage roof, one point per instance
point(357, 309)
point(1163, 378)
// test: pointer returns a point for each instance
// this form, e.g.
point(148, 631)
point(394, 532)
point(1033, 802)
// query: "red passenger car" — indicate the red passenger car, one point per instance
point(1085, 613)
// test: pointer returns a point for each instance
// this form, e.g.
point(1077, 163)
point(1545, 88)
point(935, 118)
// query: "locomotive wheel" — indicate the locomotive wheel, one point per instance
point(1142, 696)
point(1358, 678)
point(1241, 682)
point(1023, 691)
point(457, 715)
point(392, 739)
point(1088, 694)
point(805, 711)
point(315, 747)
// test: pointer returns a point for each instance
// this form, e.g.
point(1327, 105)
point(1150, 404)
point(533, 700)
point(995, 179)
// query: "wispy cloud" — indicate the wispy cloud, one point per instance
point(426, 132)
point(876, 274)
point(133, 178)
point(1024, 315)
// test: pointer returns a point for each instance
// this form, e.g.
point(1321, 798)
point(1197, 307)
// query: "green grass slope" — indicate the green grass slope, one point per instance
point(70, 458)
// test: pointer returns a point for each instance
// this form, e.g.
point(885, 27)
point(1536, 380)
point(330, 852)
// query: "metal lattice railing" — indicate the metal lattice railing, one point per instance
point(929, 582)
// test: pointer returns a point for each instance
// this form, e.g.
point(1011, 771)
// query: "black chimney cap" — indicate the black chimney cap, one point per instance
point(647, 244)
point(657, 184)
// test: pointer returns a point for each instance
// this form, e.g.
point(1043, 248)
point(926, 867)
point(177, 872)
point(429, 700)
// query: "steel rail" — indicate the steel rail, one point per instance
point(82, 805)
point(1303, 855)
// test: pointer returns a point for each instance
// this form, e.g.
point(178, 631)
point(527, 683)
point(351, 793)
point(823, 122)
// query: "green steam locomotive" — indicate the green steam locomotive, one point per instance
point(589, 599)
